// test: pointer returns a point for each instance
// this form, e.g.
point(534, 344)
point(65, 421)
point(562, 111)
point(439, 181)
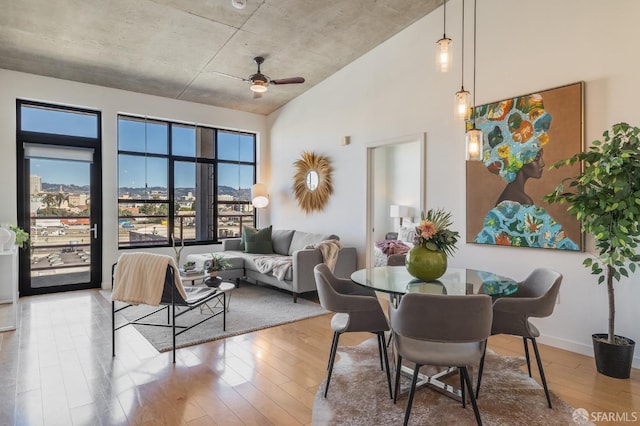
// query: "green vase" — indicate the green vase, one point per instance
point(426, 264)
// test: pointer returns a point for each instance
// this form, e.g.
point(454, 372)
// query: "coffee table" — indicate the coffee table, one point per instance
point(223, 286)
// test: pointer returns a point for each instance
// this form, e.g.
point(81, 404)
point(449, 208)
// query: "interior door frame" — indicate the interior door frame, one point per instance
point(23, 200)
point(421, 138)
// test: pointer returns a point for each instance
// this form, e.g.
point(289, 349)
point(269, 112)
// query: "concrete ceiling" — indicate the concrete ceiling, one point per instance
point(173, 48)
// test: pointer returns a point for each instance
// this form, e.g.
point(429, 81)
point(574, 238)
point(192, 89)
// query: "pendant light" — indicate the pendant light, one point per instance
point(474, 136)
point(463, 97)
point(443, 47)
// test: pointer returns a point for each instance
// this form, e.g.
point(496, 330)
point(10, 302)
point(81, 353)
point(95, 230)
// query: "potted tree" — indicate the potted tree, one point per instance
point(606, 198)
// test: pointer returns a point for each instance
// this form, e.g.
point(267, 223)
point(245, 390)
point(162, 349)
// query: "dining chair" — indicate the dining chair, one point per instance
point(536, 297)
point(356, 309)
point(440, 330)
point(396, 259)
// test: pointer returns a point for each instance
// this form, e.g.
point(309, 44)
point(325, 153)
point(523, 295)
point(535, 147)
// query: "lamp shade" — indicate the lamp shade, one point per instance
point(259, 196)
point(443, 54)
point(398, 211)
point(463, 104)
point(474, 144)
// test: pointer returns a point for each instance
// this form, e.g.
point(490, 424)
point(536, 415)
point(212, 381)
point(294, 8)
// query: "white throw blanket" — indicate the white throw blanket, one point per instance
point(278, 266)
point(140, 278)
point(329, 250)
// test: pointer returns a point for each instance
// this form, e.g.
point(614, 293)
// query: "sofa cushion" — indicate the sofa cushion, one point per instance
point(281, 240)
point(302, 239)
point(257, 240)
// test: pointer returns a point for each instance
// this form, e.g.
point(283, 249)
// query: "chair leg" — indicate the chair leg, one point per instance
point(396, 387)
point(540, 369)
point(465, 374)
point(380, 346)
point(526, 354)
point(332, 358)
point(481, 369)
point(462, 388)
point(113, 327)
point(173, 328)
point(333, 343)
point(412, 392)
point(381, 340)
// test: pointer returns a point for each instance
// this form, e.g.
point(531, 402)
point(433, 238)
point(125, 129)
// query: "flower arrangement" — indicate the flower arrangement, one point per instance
point(216, 263)
point(433, 232)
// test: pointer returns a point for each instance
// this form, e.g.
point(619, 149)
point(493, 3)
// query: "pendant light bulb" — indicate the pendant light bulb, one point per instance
point(463, 105)
point(443, 54)
point(474, 144)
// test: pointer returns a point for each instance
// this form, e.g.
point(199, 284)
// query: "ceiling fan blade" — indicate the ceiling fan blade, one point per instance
point(230, 76)
point(291, 80)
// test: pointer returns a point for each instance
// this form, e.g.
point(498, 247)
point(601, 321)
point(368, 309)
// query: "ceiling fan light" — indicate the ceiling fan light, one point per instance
point(239, 4)
point(259, 86)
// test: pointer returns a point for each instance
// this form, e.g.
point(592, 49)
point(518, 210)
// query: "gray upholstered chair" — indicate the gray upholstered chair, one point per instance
point(396, 260)
point(357, 309)
point(536, 297)
point(440, 330)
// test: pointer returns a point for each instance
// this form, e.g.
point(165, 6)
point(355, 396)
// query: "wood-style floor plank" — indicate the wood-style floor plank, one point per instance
point(57, 368)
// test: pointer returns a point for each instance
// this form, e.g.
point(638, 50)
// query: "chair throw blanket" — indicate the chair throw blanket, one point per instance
point(329, 250)
point(139, 278)
point(278, 266)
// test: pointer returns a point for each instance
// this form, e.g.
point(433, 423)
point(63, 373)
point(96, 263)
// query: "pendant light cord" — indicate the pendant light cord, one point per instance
point(462, 62)
point(444, 27)
point(475, 3)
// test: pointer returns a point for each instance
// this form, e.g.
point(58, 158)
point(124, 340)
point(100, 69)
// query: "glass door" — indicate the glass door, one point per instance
point(59, 198)
point(61, 228)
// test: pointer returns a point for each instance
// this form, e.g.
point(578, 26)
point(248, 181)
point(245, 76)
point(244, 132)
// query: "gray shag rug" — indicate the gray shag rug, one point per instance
point(358, 395)
point(252, 307)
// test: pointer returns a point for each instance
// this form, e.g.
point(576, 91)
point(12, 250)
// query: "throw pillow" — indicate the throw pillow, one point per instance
point(257, 241)
point(407, 232)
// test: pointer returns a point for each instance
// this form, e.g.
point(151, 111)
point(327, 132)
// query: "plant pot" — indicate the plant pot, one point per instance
point(426, 264)
point(613, 360)
point(213, 274)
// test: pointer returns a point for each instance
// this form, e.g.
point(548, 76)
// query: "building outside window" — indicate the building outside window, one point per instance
point(186, 181)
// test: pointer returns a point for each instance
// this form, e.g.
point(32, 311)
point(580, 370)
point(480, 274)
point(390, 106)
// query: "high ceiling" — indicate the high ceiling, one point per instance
point(172, 48)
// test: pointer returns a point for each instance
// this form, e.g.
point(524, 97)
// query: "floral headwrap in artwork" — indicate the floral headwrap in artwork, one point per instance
point(514, 131)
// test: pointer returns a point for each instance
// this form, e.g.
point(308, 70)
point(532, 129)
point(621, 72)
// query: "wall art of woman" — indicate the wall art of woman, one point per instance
point(515, 133)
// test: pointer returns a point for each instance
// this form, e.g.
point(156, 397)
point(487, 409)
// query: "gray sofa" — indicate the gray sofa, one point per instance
point(287, 244)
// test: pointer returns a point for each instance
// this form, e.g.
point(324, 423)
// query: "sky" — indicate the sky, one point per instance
point(137, 136)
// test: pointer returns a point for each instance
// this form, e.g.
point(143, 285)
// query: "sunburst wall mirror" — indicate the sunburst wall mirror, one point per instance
point(312, 183)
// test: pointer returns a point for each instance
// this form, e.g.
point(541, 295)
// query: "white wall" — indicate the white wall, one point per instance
point(110, 102)
point(394, 91)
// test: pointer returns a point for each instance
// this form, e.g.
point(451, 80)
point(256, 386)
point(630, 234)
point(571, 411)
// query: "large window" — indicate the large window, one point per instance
point(192, 183)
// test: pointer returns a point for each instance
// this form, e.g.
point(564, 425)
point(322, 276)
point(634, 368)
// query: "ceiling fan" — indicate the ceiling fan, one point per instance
point(260, 82)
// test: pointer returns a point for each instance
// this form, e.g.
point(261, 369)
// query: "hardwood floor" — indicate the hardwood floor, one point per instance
point(57, 369)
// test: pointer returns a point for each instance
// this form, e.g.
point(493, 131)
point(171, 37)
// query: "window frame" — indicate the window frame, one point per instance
point(204, 159)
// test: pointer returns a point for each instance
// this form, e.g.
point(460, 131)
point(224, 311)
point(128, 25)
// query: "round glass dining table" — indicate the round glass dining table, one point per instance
point(397, 281)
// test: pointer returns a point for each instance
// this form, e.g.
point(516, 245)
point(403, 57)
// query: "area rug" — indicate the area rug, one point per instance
point(358, 395)
point(251, 308)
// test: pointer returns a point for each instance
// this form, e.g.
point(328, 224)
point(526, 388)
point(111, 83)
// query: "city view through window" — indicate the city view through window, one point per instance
point(194, 178)
point(60, 224)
